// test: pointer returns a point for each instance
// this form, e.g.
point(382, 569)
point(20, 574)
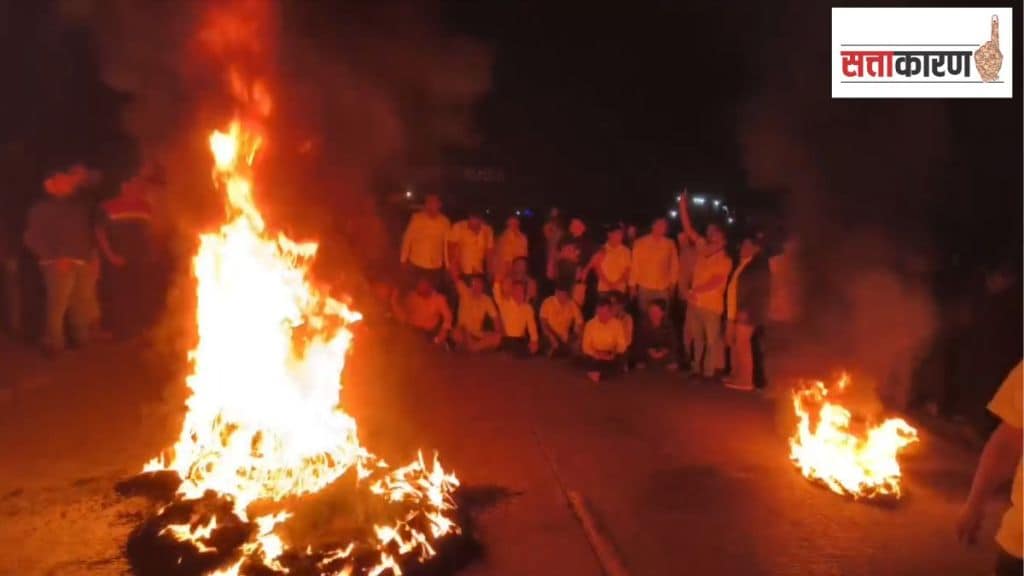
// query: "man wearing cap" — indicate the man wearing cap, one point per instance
point(59, 233)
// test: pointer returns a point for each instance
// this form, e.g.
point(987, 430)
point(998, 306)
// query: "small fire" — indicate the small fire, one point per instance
point(264, 424)
point(860, 461)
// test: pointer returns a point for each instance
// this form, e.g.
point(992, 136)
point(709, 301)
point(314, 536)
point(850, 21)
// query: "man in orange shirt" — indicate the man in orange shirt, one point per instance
point(1001, 460)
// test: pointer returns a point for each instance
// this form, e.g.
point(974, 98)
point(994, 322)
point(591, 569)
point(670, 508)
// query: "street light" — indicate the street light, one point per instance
point(698, 200)
point(673, 213)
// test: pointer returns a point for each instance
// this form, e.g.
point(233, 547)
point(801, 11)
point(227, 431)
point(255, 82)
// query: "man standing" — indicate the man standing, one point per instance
point(746, 310)
point(655, 266)
point(470, 246)
point(574, 252)
point(511, 246)
point(59, 232)
point(124, 238)
point(424, 242)
point(612, 263)
point(706, 296)
point(687, 260)
point(1000, 460)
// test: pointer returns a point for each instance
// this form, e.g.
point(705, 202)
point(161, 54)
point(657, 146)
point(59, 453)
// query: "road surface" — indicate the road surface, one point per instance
point(684, 477)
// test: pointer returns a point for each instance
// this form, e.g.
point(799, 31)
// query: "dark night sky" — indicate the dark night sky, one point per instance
point(593, 104)
point(603, 102)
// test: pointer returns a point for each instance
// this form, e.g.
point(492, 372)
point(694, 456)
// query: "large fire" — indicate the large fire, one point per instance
point(851, 459)
point(264, 424)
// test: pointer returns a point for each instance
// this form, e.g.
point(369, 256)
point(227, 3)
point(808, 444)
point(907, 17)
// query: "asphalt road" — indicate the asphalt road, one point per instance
point(684, 477)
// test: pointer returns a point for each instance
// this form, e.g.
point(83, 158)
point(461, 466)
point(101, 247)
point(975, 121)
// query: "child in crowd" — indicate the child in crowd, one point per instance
point(655, 339)
point(604, 342)
point(425, 309)
point(561, 323)
point(475, 308)
point(519, 327)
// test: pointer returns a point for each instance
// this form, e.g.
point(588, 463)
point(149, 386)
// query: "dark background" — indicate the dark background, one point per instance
point(607, 110)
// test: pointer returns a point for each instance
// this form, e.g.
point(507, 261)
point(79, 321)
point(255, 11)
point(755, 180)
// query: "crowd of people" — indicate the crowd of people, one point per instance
point(628, 303)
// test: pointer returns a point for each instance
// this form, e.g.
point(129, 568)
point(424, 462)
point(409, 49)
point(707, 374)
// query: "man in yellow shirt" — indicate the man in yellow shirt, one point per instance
point(475, 307)
point(511, 246)
point(424, 242)
point(655, 266)
point(611, 263)
point(1000, 459)
point(561, 322)
point(706, 296)
point(471, 243)
point(604, 342)
point(518, 323)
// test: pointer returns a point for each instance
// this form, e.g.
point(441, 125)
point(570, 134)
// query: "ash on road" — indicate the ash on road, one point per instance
point(685, 478)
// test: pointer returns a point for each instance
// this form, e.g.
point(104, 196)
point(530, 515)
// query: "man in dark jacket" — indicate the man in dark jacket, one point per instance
point(655, 340)
point(59, 232)
point(747, 302)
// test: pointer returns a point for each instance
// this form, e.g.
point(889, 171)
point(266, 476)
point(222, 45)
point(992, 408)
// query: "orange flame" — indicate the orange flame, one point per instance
point(826, 449)
point(264, 420)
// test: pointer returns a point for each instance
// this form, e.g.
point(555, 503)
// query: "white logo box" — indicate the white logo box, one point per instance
point(914, 32)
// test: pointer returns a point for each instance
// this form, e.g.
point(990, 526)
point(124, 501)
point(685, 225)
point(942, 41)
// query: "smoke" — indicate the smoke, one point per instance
point(353, 91)
point(356, 89)
point(859, 177)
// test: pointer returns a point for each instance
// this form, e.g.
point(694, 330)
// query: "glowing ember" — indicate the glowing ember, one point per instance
point(827, 448)
point(264, 424)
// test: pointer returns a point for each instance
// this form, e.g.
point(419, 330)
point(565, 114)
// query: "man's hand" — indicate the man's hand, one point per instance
point(968, 523)
point(534, 346)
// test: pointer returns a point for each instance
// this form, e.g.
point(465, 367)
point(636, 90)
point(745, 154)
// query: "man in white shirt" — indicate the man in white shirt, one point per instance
point(604, 342)
point(612, 263)
point(706, 296)
point(470, 244)
point(655, 268)
point(517, 319)
point(561, 322)
point(511, 246)
point(424, 242)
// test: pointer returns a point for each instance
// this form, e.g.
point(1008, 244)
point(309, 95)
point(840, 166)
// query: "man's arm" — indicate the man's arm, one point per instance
point(407, 239)
point(713, 283)
point(998, 461)
point(673, 266)
point(446, 319)
point(452, 250)
point(104, 243)
point(684, 217)
point(595, 265)
point(577, 319)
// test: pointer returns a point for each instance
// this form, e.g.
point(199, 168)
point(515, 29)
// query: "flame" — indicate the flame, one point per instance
point(264, 421)
point(826, 448)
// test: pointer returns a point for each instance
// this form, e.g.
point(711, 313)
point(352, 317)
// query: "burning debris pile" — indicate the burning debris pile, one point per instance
point(850, 457)
point(264, 436)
